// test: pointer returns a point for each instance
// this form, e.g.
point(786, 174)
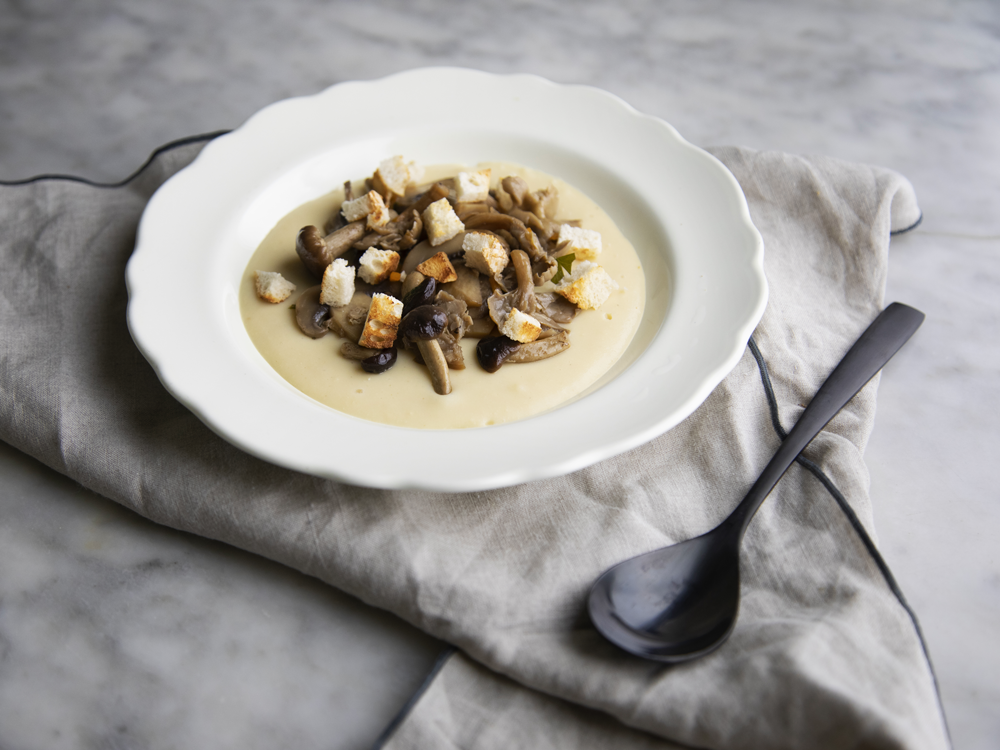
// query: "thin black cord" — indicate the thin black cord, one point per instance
point(852, 517)
point(162, 149)
point(405, 710)
point(914, 225)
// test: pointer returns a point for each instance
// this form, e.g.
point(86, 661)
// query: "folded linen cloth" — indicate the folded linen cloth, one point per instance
point(825, 653)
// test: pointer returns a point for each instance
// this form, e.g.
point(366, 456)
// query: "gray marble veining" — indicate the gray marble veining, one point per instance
point(117, 633)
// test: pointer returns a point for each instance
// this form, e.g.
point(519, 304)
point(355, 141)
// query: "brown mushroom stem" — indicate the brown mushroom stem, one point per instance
point(524, 296)
point(317, 251)
point(437, 365)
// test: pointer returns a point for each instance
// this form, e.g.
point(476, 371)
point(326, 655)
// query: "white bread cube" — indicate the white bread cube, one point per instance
point(441, 222)
point(272, 287)
point(383, 319)
point(472, 186)
point(396, 175)
point(585, 243)
point(588, 286)
point(338, 284)
point(520, 326)
point(371, 205)
point(485, 252)
point(376, 265)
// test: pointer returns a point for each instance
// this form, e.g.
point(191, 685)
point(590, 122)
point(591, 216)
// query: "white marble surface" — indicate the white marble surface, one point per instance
point(117, 633)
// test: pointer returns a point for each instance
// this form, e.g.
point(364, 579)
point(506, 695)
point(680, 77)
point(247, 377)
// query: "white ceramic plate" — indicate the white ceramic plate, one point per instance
point(679, 206)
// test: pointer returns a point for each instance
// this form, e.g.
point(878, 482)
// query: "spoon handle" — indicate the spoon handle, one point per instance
point(880, 341)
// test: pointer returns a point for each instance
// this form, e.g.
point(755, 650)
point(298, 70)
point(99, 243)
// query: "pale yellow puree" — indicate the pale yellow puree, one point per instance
point(404, 396)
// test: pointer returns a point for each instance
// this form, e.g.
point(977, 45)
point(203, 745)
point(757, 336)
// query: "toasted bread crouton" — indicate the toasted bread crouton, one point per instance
point(382, 321)
point(441, 222)
point(588, 286)
point(472, 186)
point(338, 284)
point(272, 287)
point(371, 205)
point(584, 243)
point(439, 268)
point(485, 252)
point(394, 175)
point(376, 265)
point(520, 326)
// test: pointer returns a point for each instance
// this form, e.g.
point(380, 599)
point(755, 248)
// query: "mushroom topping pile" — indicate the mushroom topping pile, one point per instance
point(420, 267)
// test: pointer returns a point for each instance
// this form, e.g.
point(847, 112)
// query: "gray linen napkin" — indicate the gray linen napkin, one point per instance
point(825, 654)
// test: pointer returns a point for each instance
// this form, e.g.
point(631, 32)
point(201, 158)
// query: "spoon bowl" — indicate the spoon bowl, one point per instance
point(674, 603)
point(681, 602)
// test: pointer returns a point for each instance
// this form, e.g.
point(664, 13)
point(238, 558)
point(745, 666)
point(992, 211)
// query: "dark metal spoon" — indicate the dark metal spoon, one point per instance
point(680, 602)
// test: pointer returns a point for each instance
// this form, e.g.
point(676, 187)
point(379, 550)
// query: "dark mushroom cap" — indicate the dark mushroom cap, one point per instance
point(423, 323)
point(421, 294)
point(380, 361)
point(317, 251)
point(492, 352)
point(310, 246)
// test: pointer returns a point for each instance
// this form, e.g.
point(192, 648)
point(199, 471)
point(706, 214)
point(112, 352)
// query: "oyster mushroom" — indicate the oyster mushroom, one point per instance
point(541, 348)
point(318, 251)
point(515, 187)
point(544, 266)
point(522, 297)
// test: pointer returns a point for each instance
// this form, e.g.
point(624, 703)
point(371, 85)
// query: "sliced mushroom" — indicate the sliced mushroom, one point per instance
point(425, 250)
point(311, 315)
point(349, 321)
point(437, 365)
point(481, 328)
point(317, 251)
point(466, 287)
